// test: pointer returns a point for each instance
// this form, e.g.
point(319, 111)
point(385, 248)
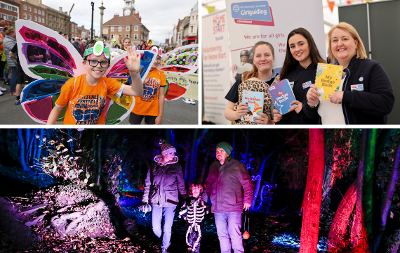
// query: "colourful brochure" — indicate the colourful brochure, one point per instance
point(282, 95)
point(328, 79)
point(254, 100)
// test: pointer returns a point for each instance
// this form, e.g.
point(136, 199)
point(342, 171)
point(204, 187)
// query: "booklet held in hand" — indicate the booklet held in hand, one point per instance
point(255, 101)
point(282, 95)
point(328, 79)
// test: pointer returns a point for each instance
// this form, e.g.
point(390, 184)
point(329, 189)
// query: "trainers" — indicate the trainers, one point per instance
point(192, 101)
point(1, 93)
point(186, 100)
point(2, 89)
point(17, 102)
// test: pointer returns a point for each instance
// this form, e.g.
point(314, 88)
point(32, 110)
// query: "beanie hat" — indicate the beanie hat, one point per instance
point(166, 148)
point(226, 147)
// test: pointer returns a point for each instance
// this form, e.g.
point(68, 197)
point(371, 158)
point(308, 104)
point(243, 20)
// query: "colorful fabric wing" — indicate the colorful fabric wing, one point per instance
point(45, 54)
point(121, 107)
point(48, 57)
point(178, 85)
point(176, 64)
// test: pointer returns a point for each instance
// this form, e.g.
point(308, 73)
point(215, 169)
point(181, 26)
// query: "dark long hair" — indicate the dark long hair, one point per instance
point(253, 73)
point(290, 63)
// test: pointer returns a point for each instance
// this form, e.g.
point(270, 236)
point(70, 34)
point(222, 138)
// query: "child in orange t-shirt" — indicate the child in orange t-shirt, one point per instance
point(150, 105)
point(86, 94)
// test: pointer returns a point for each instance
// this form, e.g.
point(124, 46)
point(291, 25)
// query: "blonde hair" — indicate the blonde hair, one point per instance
point(9, 30)
point(254, 72)
point(360, 50)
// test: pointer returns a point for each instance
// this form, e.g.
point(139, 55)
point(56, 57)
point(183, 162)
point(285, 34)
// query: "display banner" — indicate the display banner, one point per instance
point(216, 67)
point(251, 21)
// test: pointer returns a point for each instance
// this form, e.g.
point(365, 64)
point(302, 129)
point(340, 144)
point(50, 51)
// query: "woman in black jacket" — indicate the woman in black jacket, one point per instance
point(299, 67)
point(366, 93)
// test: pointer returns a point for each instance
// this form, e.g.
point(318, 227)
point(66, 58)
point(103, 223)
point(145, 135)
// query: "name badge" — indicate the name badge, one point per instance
point(306, 85)
point(359, 87)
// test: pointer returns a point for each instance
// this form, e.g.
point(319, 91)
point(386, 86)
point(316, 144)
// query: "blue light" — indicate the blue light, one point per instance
point(294, 241)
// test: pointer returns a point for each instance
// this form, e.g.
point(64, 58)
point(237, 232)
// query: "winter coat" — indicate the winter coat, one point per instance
point(372, 103)
point(162, 184)
point(229, 186)
point(8, 44)
point(76, 45)
point(82, 49)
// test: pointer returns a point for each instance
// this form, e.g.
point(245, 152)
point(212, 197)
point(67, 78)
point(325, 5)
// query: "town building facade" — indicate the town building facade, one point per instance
point(74, 29)
point(190, 30)
point(129, 25)
point(9, 10)
point(58, 20)
point(32, 12)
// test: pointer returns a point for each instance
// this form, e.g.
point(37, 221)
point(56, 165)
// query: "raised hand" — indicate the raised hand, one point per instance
point(133, 61)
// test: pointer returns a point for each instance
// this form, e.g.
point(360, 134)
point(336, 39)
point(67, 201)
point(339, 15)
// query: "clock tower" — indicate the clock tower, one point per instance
point(129, 8)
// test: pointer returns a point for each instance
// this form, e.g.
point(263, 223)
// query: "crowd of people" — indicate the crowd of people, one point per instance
point(118, 43)
point(365, 95)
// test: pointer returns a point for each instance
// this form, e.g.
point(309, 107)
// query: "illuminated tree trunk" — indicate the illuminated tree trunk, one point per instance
point(358, 233)
point(352, 198)
point(22, 147)
point(339, 223)
point(367, 189)
point(312, 195)
point(388, 199)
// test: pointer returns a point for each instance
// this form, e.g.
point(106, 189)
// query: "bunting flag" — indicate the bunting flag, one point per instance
point(331, 4)
point(210, 9)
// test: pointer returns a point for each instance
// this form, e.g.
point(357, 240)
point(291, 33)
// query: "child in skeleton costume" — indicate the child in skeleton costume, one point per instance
point(194, 210)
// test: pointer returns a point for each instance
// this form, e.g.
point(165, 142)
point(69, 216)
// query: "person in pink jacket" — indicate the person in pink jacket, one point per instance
point(230, 189)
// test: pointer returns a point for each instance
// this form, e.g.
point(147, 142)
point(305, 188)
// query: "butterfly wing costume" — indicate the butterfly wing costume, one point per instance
point(176, 64)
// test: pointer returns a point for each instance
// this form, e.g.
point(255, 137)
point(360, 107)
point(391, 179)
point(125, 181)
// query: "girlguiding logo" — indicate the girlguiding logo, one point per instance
point(253, 13)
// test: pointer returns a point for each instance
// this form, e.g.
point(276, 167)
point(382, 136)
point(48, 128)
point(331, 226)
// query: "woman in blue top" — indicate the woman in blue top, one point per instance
point(365, 95)
point(299, 67)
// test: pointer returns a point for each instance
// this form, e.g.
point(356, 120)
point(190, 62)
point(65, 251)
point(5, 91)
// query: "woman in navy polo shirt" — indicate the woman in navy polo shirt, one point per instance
point(258, 79)
point(366, 93)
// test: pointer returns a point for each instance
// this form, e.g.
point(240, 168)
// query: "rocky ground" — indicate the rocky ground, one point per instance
point(70, 219)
